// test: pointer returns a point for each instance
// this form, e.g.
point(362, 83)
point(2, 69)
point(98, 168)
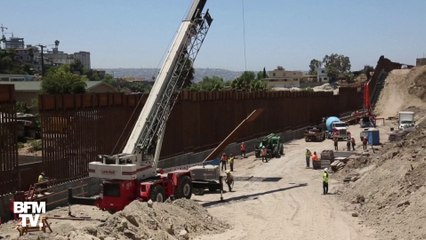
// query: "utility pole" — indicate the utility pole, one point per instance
point(42, 59)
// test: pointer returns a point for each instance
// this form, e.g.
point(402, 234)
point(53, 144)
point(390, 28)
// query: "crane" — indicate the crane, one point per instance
point(133, 173)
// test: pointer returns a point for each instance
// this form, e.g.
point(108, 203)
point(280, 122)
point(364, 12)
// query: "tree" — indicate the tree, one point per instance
point(262, 75)
point(313, 66)
point(77, 67)
point(60, 80)
point(336, 65)
point(248, 81)
point(214, 83)
point(243, 81)
point(188, 73)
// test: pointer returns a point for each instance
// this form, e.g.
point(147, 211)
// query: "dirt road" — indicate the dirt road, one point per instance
point(282, 199)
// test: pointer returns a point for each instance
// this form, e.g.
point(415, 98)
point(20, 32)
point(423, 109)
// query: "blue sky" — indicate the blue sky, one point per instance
point(137, 33)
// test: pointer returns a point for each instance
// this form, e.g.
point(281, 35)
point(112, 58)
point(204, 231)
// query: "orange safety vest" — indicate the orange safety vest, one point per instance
point(314, 157)
point(242, 147)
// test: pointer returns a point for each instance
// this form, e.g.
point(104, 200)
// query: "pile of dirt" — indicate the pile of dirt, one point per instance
point(181, 219)
point(405, 89)
point(389, 192)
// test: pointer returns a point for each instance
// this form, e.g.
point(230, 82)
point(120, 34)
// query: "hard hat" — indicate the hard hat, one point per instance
point(228, 171)
point(263, 147)
point(42, 173)
point(325, 169)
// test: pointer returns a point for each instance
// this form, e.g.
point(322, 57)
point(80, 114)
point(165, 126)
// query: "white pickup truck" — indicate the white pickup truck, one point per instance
point(405, 120)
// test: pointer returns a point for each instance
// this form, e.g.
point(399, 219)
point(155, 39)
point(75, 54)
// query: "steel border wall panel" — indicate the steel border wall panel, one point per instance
point(8, 140)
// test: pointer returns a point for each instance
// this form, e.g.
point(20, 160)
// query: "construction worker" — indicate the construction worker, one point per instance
point(348, 144)
point(308, 157)
point(364, 143)
point(264, 154)
point(243, 150)
point(223, 161)
point(41, 177)
point(336, 144)
point(231, 162)
point(325, 181)
point(353, 143)
point(314, 157)
point(229, 180)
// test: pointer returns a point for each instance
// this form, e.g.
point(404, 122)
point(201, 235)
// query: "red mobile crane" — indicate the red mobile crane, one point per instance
point(364, 116)
point(132, 174)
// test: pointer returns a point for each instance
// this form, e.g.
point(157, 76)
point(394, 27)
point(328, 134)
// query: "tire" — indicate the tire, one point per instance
point(257, 153)
point(198, 191)
point(281, 149)
point(184, 190)
point(213, 189)
point(276, 152)
point(157, 194)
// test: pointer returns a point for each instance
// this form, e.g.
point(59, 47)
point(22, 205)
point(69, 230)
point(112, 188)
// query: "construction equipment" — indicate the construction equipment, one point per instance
point(314, 134)
point(364, 116)
point(336, 128)
point(273, 145)
point(133, 173)
point(405, 120)
point(207, 176)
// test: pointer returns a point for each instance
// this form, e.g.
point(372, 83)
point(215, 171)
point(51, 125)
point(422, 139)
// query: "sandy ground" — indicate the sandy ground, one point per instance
point(292, 207)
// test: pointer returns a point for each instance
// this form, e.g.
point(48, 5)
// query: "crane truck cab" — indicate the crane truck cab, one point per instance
point(340, 130)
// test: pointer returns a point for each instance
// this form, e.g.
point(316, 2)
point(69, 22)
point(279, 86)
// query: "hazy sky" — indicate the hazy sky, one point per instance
point(137, 33)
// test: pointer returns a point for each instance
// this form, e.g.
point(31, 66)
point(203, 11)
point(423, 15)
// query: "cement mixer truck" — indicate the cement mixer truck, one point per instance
point(336, 128)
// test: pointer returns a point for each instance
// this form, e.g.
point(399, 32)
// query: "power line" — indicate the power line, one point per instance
point(244, 36)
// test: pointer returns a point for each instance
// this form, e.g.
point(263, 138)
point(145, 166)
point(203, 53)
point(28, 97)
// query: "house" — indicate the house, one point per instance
point(28, 91)
point(281, 78)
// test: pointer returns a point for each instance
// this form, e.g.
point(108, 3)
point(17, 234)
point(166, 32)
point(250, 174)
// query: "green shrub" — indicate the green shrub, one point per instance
point(36, 145)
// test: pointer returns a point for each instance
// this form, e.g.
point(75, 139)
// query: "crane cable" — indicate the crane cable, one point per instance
point(244, 36)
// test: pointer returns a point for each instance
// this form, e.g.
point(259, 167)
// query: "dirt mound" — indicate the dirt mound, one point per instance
point(405, 89)
point(391, 193)
point(181, 219)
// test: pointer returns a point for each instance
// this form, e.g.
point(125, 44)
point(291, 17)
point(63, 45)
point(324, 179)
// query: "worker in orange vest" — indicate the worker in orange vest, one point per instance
point(314, 157)
point(243, 149)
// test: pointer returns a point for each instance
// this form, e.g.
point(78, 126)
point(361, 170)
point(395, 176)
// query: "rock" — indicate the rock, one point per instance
point(354, 178)
point(403, 203)
point(183, 234)
point(131, 235)
point(150, 203)
point(170, 229)
point(360, 199)
point(132, 220)
point(354, 214)
point(91, 230)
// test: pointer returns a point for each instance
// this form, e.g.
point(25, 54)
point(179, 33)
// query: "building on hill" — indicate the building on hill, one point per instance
point(281, 78)
point(32, 54)
point(14, 43)
point(27, 91)
point(420, 62)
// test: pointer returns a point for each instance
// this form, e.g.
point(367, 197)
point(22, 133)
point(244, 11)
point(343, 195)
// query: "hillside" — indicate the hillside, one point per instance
point(149, 73)
point(390, 194)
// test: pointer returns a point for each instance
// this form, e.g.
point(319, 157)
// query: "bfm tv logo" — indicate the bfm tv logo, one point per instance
point(29, 211)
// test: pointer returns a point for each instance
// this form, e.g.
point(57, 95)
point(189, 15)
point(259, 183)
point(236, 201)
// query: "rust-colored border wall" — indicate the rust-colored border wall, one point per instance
point(76, 128)
point(202, 120)
point(8, 140)
point(383, 68)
